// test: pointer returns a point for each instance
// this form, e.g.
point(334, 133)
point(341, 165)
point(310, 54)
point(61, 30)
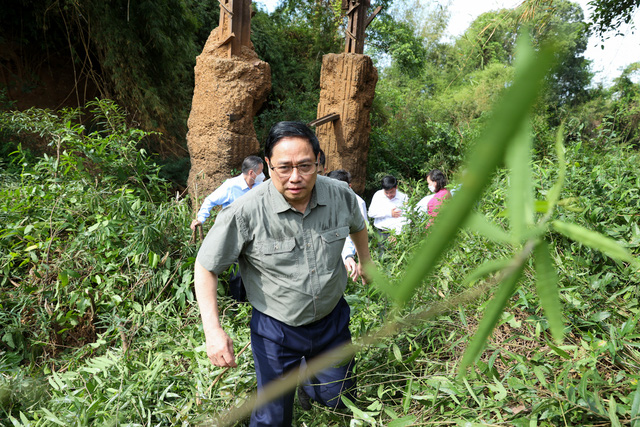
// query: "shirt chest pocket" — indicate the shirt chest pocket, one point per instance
point(336, 235)
point(332, 242)
point(279, 257)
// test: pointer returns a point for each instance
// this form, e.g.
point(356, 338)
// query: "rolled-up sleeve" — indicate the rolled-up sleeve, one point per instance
point(223, 243)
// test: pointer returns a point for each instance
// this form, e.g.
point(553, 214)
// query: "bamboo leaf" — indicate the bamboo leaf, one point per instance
point(635, 407)
point(547, 286)
point(487, 268)
point(490, 319)
point(595, 240)
point(396, 352)
point(613, 408)
point(357, 412)
point(554, 194)
point(486, 155)
point(520, 193)
point(408, 420)
point(480, 224)
point(406, 401)
point(470, 390)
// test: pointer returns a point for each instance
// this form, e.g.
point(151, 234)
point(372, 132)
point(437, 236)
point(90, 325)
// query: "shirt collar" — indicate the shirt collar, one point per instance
point(242, 183)
point(319, 196)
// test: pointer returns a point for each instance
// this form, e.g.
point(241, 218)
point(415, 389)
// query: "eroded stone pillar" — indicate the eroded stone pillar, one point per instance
point(347, 87)
point(228, 93)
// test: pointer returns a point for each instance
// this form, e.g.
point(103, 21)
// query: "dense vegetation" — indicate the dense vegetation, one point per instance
point(98, 323)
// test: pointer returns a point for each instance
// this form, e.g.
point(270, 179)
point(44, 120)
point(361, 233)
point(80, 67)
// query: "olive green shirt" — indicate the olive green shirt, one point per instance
point(290, 262)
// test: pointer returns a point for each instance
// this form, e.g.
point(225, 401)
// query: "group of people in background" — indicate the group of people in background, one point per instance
point(389, 204)
point(386, 209)
point(289, 236)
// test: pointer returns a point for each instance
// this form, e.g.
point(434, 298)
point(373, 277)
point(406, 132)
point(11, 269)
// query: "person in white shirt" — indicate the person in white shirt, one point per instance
point(227, 193)
point(349, 249)
point(386, 207)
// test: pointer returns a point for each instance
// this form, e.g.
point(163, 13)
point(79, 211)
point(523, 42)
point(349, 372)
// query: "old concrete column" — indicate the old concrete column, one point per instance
point(228, 93)
point(347, 87)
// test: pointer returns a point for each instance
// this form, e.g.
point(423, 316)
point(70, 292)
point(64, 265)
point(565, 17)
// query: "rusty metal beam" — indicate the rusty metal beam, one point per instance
point(324, 119)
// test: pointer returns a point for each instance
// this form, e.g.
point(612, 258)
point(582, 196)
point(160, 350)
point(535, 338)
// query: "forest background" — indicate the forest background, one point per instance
point(98, 318)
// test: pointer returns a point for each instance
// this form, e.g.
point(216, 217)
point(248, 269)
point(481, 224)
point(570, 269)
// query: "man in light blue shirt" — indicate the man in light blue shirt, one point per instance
point(232, 188)
point(227, 193)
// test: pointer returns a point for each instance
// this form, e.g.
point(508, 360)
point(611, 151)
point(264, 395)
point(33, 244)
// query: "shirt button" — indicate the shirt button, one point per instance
point(308, 245)
point(313, 271)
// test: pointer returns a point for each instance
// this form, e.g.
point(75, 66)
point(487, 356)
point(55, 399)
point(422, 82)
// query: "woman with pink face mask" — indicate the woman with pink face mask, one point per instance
point(437, 182)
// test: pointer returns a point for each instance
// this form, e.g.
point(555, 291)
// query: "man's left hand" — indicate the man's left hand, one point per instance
point(352, 267)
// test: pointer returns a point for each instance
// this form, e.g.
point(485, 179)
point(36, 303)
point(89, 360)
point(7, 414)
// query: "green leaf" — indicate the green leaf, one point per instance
point(560, 352)
point(595, 240)
point(63, 277)
point(396, 352)
point(613, 407)
point(635, 407)
point(498, 389)
point(480, 224)
point(51, 417)
point(406, 401)
point(547, 286)
point(554, 194)
point(408, 420)
point(154, 258)
point(490, 319)
point(357, 412)
point(470, 390)
point(520, 192)
point(487, 268)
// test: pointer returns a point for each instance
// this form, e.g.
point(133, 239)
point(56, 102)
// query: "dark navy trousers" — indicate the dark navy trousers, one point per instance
point(236, 286)
point(279, 348)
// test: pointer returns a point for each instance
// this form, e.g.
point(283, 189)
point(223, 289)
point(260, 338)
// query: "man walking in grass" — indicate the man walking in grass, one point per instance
point(288, 235)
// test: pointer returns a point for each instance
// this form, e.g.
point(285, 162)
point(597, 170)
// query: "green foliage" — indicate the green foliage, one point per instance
point(90, 251)
point(141, 54)
point(97, 319)
point(608, 15)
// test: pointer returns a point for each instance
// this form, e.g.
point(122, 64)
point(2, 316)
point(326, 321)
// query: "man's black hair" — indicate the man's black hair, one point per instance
point(288, 129)
point(340, 175)
point(438, 177)
point(251, 163)
point(389, 182)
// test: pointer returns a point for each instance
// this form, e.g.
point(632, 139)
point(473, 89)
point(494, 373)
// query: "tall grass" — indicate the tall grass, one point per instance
point(99, 325)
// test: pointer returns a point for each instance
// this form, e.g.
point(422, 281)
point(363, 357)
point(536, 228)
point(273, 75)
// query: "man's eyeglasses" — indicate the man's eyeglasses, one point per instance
point(303, 169)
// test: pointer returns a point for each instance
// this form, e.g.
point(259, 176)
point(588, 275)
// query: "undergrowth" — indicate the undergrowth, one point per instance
point(99, 324)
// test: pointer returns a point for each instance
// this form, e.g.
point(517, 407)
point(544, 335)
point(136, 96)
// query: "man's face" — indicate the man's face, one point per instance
point(255, 173)
point(296, 187)
point(250, 177)
point(391, 193)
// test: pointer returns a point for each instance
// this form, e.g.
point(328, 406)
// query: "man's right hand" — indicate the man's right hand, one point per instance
point(396, 213)
point(220, 349)
point(194, 224)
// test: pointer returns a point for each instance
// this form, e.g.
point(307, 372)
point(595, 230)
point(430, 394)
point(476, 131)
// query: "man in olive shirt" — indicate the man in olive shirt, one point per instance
point(287, 235)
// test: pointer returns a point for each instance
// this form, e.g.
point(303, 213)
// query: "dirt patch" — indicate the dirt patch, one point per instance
point(63, 337)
